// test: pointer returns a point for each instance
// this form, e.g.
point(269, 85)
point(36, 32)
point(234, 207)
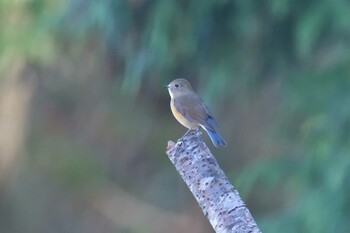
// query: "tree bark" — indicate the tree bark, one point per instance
point(219, 200)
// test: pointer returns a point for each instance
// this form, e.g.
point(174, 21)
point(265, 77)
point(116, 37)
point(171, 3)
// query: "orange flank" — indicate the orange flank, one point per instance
point(181, 118)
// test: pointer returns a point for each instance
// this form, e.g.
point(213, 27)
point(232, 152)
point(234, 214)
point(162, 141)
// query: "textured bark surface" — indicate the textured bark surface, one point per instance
point(219, 200)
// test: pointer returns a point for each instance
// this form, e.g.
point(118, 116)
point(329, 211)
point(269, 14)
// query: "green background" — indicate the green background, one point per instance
point(85, 120)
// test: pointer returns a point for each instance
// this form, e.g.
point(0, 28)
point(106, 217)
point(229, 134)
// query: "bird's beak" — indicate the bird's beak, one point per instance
point(166, 86)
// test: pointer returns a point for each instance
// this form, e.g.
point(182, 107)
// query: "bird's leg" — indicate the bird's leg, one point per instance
point(196, 132)
point(184, 135)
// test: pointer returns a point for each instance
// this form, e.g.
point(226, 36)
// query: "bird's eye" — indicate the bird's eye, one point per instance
point(176, 85)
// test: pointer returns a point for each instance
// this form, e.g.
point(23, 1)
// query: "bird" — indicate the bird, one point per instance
point(190, 110)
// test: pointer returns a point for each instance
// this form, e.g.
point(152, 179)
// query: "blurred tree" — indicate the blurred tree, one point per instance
point(277, 71)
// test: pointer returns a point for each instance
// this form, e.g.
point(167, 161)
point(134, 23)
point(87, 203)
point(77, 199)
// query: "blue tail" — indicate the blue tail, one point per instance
point(215, 137)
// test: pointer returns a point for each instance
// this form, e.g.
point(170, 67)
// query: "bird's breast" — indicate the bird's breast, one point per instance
point(185, 122)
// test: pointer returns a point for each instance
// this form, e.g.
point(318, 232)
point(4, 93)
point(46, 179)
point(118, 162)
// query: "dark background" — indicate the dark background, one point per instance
point(84, 117)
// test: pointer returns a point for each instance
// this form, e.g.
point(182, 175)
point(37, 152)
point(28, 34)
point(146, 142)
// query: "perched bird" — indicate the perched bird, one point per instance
point(190, 110)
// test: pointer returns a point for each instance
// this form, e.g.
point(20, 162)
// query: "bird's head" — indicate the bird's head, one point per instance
point(179, 87)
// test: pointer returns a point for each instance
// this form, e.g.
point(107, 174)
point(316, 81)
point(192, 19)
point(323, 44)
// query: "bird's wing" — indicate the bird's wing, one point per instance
point(194, 109)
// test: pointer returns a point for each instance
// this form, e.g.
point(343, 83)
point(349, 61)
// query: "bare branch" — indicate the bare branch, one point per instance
point(219, 200)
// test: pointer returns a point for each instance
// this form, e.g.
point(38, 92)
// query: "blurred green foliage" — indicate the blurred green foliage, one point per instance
point(276, 74)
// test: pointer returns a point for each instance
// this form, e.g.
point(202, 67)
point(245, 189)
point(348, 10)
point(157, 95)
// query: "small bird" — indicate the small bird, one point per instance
point(189, 109)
